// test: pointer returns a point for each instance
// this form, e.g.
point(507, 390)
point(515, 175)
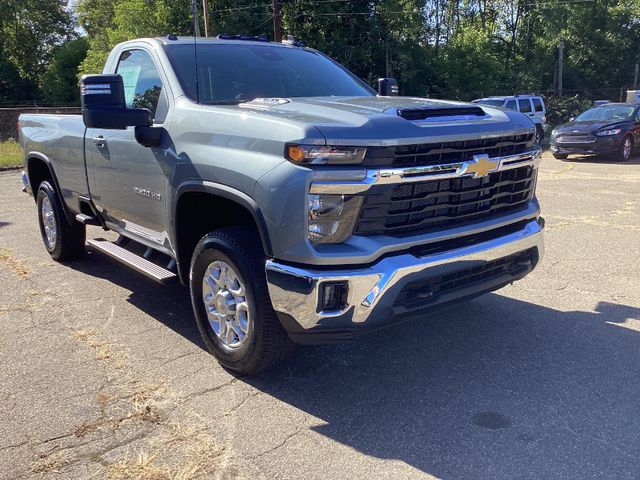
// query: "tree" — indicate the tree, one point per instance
point(60, 82)
point(110, 22)
point(30, 32)
point(95, 17)
point(445, 48)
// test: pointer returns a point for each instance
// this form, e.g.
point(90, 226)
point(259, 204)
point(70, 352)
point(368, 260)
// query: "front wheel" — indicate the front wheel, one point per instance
point(539, 135)
point(231, 302)
point(63, 240)
point(626, 149)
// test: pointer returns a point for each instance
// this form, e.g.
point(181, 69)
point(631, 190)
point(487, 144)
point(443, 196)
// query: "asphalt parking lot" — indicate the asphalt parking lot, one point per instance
point(103, 374)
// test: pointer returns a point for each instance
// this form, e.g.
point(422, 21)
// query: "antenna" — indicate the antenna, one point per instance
point(196, 34)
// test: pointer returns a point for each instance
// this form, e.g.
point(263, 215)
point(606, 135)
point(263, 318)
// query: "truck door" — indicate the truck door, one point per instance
point(129, 182)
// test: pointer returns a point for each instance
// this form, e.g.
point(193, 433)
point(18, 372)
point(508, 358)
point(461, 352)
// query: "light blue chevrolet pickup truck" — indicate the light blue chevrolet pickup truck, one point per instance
point(298, 204)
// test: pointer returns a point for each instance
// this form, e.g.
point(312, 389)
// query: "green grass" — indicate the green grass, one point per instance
point(10, 154)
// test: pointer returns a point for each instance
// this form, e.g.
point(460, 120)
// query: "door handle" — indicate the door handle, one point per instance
point(100, 141)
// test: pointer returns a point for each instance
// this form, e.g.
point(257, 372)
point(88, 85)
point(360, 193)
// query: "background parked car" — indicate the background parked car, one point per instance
point(530, 105)
point(610, 129)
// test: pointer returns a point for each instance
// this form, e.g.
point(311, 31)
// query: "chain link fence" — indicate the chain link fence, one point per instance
point(11, 154)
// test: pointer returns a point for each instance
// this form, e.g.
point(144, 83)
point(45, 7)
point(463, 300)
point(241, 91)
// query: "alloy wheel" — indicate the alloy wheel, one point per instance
point(626, 148)
point(49, 223)
point(225, 301)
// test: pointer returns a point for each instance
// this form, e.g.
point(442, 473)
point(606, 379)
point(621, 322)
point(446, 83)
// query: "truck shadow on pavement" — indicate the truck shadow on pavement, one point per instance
point(492, 388)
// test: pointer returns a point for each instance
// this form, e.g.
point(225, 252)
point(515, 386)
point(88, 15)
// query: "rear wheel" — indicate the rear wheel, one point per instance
point(560, 156)
point(231, 302)
point(62, 240)
point(626, 149)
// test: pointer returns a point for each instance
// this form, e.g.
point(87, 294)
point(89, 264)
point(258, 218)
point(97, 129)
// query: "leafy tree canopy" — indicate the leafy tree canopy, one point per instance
point(60, 82)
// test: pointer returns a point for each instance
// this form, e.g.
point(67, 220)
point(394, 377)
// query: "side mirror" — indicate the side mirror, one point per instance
point(103, 104)
point(387, 87)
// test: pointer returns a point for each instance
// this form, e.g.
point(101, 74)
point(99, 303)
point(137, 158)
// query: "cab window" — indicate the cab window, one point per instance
point(142, 84)
point(525, 105)
point(537, 105)
point(511, 105)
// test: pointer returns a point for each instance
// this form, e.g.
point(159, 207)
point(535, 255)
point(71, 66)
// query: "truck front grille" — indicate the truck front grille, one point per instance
point(421, 293)
point(447, 152)
point(420, 207)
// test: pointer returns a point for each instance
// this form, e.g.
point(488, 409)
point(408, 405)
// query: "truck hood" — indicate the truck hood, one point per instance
point(392, 120)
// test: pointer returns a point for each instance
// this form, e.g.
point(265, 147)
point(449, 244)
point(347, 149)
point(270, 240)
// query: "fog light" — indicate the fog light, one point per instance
point(333, 296)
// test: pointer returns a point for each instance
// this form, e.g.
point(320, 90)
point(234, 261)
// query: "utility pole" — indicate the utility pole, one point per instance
point(205, 15)
point(196, 20)
point(560, 59)
point(635, 78)
point(277, 35)
point(387, 70)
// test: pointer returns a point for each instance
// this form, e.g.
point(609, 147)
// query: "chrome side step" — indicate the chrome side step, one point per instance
point(87, 219)
point(130, 259)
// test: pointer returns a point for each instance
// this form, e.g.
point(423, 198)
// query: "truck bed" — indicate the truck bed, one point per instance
point(62, 138)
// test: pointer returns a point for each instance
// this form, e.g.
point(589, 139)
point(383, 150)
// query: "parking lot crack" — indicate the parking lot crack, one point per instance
point(297, 432)
point(15, 445)
point(199, 393)
point(177, 358)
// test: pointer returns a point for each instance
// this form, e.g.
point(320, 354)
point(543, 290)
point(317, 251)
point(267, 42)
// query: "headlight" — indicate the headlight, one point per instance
point(554, 132)
point(604, 133)
point(323, 155)
point(332, 217)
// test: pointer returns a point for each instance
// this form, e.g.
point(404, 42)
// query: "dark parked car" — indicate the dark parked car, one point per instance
point(611, 129)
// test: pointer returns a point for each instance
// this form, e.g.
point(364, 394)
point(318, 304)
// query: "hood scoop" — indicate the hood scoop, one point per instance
point(440, 113)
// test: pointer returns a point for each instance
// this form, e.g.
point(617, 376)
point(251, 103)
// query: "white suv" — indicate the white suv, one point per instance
point(530, 105)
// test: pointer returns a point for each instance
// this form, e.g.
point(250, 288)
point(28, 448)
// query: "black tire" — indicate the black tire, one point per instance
point(267, 342)
point(539, 135)
point(69, 239)
point(621, 156)
point(560, 156)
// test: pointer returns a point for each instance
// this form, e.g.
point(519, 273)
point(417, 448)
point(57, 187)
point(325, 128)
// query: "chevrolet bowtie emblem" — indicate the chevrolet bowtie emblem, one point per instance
point(481, 166)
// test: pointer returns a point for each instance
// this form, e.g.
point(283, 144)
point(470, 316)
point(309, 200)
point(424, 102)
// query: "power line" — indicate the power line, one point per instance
point(347, 14)
point(559, 2)
point(250, 7)
point(235, 9)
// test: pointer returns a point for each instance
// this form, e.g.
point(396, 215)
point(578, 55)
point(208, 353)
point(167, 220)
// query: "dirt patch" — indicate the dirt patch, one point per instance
point(134, 436)
point(181, 452)
point(16, 266)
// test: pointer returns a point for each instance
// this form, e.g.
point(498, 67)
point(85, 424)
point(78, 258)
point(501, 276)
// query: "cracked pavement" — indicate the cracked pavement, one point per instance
point(537, 380)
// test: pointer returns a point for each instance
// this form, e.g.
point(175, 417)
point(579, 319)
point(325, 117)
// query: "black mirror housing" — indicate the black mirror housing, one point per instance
point(103, 104)
point(149, 136)
point(388, 87)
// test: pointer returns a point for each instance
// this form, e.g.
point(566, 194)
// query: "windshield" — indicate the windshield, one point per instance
point(608, 113)
point(492, 102)
point(233, 73)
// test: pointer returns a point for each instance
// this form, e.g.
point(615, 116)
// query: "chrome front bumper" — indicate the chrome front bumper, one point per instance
point(295, 292)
